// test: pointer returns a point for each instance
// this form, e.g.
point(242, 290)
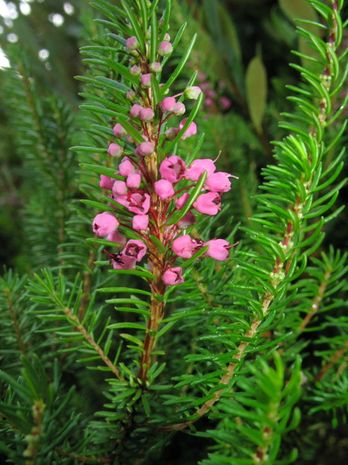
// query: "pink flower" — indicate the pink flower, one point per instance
point(146, 114)
point(116, 236)
point(180, 201)
point(132, 43)
point(135, 110)
point(168, 104)
point(133, 181)
point(119, 188)
point(209, 204)
point(165, 48)
point(122, 262)
point(188, 220)
point(184, 246)
point(173, 276)
point(198, 167)
point(119, 130)
point(146, 80)
point(172, 168)
point(179, 109)
point(104, 224)
point(164, 189)
point(190, 131)
point(140, 222)
point(218, 182)
point(193, 92)
point(145, 148)
point(139, 203)
point(126, 167)
point(122, 199)
point(115, 150)
point(225, 103)
point(105, 182)
point(218, 249)
point(135, 249)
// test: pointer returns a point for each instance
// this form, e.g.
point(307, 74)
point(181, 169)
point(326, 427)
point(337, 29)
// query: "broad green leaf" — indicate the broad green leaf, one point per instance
point(302, 9)
point(298, 9)
point(256, 89)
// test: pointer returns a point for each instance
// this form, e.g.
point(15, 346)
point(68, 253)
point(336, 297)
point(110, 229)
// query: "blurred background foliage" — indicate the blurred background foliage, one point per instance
point(242, 59)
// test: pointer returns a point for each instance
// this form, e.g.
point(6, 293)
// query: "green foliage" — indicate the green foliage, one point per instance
point(244, 345)
point(259, 414)
point(42, 130)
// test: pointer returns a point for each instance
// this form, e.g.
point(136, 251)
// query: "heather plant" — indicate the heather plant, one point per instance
point(223, 331)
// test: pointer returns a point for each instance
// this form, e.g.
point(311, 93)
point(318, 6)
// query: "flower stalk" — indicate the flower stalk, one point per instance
point(159, 189)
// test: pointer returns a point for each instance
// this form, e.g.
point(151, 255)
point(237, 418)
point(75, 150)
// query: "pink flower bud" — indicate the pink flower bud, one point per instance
point(145, 148)
point(156, 67)
point(218, 182)
point(116, 236)
point(171, 133)
point(135, 70)
point(133, 181)
point(209, 102)
point(188, 220)
point(209, 204)
point(104, 224)
point(146, 80)
point(139, 203)
point(119, 188)
point(146, 114)
point(140, 222)
point(132, 43)
point(119, 130)
point(165, 48)
point(126, 167)
point(135, 249)
point(130, 95)
point(180, 202)
point(192, 92)
point(168, 104)
point(198, 167)
point(185, 247)
point(218, 249)
point(225, 103)
point(211, 93)
point(173, 276)
point(135, 110)
point(164, 189)
point(115, 150)
point(105, 182)
point(190, 131)
point(172, 168)
point(179, 109)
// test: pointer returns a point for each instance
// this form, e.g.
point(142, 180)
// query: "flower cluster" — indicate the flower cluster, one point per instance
point(216, 100)
point(155, 187)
